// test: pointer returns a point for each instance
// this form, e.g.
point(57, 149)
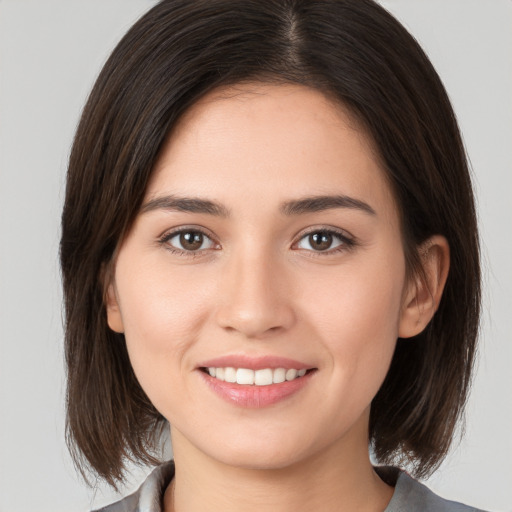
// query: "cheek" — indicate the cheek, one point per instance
point(163, 314)
point(160, 308)
point(356, 314)
point(358, 298)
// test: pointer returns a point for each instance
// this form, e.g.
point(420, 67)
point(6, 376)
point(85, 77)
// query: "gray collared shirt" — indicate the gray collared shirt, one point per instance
point(409, 495)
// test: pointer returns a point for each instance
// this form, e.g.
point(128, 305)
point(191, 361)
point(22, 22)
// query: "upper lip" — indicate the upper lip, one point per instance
point(253, 363)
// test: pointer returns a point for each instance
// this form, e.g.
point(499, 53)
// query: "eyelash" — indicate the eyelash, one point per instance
point(164, 241)
point(347, 242)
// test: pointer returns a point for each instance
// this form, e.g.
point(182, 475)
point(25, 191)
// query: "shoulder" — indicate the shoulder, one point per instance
point(148, 497)
point(409, 494)
point(412, 495)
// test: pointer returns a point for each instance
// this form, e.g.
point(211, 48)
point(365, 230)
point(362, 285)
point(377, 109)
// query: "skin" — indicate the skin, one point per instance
point(257, 286)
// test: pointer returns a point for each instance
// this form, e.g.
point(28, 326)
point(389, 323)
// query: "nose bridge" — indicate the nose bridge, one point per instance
point(253, 298)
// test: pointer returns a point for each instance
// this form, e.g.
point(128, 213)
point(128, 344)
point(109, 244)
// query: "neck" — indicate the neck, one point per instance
point(340, 479)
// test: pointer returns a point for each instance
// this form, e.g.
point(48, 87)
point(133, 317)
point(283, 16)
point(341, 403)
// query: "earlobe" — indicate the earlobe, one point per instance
point(424, 292)
point(114, 318)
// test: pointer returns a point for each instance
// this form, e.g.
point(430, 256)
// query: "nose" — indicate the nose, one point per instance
point(255, 297)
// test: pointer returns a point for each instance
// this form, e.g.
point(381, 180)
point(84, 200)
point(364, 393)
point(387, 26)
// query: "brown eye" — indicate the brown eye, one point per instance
point(322, 241)
point(189, 241)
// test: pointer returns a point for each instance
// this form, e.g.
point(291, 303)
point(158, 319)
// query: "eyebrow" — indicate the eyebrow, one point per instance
point(320, 203)
point(185, 204)
point(301, 206)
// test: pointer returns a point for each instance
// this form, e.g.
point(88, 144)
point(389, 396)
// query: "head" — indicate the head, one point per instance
point(367, 67)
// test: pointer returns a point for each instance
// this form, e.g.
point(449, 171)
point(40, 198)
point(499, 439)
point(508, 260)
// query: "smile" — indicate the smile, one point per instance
point(262, 387)
point(262, 377)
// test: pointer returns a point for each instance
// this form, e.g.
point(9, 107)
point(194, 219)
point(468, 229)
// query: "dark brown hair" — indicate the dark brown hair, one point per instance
point(351, 50)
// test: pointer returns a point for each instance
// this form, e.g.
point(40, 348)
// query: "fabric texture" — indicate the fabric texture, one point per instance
point(409, 495)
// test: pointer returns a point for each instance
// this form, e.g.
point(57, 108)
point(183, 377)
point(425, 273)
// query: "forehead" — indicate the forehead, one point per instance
point(255, 106)
point(284, 99)
point(288, 138)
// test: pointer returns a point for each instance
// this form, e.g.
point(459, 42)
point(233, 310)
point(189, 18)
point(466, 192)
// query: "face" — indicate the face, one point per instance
point(268, 246)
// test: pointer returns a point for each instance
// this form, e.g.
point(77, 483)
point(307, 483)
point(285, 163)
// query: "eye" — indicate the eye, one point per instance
point(188, 240)
point(324, 240)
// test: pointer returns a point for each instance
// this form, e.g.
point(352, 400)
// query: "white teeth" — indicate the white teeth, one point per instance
point(291, 374)
point(244, 376)
point(263, 377)
point(279, 375)
point(230, 374)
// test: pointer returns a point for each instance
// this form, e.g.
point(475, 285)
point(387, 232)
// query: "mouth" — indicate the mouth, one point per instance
point(256, 382)
point(260, 377)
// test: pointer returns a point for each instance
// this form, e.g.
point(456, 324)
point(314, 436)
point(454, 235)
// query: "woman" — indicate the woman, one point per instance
point(269, 243)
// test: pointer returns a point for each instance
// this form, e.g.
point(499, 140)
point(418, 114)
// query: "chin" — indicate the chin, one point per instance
point(261, 452)
point(259, 460)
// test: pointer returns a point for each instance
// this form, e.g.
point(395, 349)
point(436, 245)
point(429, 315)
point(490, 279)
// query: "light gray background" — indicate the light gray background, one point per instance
point(50, 53)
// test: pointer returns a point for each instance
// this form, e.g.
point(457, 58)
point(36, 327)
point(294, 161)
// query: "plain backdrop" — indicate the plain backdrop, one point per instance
point(50, 53)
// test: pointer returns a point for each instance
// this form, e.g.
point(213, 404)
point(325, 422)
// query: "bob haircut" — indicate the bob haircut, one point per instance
point(355, 53)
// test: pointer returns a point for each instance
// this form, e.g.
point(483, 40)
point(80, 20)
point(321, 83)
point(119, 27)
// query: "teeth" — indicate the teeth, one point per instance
point(291, 374)
point(244, 376)
point(263, 377)
point(279, 375)
point(230, 374)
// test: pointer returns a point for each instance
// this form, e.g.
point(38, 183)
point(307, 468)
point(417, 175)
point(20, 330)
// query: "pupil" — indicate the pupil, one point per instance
point(191, 240)
point(320, 241)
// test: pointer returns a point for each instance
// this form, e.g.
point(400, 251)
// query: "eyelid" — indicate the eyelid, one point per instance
point(348, 240)
point(164, 238)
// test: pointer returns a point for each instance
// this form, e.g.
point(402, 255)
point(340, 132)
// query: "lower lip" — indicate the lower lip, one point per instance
point(255, 397)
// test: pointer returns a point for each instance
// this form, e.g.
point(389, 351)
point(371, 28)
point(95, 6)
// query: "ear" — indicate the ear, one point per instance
point(114, 318)
point(424, 292)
